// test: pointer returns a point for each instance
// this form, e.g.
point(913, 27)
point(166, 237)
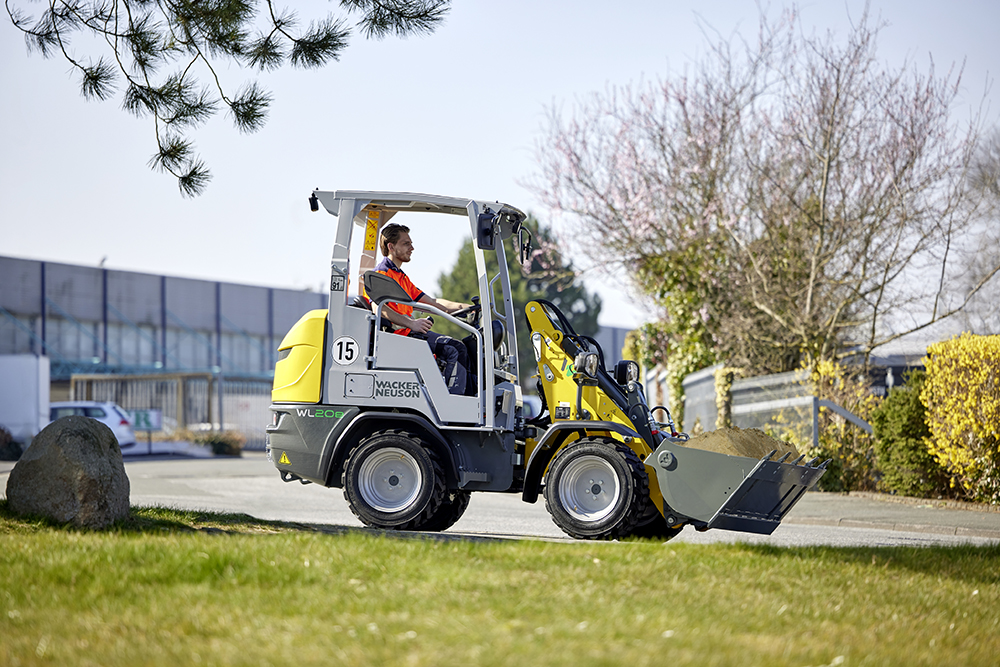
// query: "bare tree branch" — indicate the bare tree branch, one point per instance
point(785, 201)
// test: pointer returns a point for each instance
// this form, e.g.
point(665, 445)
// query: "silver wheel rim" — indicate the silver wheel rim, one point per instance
point(589, 488)
point(390, 480)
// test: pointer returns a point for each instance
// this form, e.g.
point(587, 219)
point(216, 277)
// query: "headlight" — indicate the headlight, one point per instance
point(626, 371)
point(587, 363)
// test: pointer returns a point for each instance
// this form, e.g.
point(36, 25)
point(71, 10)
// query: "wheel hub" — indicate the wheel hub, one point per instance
point(589, 489)
point(389, 480)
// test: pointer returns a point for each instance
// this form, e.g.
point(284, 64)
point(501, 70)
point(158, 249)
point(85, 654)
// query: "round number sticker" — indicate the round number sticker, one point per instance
point(345, 350)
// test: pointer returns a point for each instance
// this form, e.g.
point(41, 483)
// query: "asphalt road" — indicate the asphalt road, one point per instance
point(252, 486)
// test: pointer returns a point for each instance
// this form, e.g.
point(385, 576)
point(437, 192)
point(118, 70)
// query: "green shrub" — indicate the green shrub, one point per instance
point(222, 443)
point(901, 454)
point(852, 467)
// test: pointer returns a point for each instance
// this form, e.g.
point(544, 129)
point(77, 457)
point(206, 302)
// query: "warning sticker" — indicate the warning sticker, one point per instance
point(371, 230)
point(284, 459)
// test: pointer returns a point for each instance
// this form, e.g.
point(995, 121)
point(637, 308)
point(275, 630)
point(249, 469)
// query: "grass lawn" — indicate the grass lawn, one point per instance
point(181, 588)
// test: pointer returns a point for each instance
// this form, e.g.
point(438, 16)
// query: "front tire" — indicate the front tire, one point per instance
point(596, 489)
point(654, 527)
point(392, 481)
point(451, 510)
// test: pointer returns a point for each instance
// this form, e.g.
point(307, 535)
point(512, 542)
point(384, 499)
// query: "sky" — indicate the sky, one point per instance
point(457, 113)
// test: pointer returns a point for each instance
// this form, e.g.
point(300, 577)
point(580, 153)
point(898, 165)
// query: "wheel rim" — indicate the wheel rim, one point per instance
point(390, 480)
point(589, 489)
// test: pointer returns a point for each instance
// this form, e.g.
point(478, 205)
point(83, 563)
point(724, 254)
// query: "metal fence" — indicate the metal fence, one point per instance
point(188, 401)
point(700, 410)
point(783, 404)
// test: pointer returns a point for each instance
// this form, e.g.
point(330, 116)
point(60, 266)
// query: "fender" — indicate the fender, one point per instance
point(335, 453)
point(552, 441)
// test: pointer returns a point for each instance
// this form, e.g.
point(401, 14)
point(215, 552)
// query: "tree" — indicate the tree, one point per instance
point(982, 316)
point(546, 275)
point(785, 201)
point(157, 49)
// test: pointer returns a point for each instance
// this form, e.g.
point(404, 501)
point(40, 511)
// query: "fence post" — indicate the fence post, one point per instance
point(815, 402)
point(222, 385)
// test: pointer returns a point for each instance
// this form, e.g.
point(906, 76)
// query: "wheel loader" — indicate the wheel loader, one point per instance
point(358, 407)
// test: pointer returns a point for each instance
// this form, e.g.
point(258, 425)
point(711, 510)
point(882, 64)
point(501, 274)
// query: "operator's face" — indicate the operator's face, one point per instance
point(401, 249)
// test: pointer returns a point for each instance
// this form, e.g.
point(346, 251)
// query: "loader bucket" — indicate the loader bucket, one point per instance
point(729, 492)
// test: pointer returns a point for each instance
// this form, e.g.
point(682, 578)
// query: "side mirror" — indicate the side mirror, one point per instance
point(484, 230)
point(523, 245)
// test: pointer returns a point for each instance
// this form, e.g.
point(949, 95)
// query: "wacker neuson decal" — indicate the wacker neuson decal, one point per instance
point(397, 389)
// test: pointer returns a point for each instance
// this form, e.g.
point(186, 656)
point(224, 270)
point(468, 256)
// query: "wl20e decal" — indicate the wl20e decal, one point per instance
point(320, 412)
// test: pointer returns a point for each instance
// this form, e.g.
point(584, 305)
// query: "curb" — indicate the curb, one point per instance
point(926, 502)
point(958, 531)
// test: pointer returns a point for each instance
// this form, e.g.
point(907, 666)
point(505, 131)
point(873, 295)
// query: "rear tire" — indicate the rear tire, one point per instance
point(596, 489)
point(392, 481)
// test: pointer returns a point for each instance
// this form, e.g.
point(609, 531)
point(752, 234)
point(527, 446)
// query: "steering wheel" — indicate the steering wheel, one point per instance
point(476, 307)
point(465, 311)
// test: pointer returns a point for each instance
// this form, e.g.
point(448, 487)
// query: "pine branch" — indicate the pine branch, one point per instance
point(143, 37)
point(323, 42)
point(398, 17)
point(249, 108)
point(98, 81)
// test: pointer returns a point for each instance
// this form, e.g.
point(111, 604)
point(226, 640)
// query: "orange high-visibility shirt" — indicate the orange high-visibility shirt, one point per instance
point(389, 268)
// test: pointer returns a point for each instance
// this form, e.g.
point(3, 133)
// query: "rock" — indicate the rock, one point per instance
point(741, 442)
point(72, 473)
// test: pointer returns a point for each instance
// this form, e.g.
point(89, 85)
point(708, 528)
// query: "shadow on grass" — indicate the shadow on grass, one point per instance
point(150, 520)
point(158, 520)
point(964, 562)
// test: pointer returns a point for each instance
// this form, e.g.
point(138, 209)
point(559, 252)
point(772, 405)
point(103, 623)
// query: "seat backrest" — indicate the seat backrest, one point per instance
point(380, 287)
point(362, 302)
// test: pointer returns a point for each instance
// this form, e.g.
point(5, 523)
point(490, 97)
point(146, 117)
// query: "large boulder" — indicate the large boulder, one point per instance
point(72, 473)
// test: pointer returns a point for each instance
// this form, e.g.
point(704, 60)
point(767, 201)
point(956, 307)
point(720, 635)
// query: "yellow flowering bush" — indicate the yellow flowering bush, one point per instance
point(962, 396)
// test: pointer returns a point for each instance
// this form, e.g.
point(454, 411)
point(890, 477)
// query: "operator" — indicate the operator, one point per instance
point(397, 249)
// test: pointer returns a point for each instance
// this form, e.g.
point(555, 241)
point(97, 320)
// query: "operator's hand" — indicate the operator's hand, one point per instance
point(421, 325)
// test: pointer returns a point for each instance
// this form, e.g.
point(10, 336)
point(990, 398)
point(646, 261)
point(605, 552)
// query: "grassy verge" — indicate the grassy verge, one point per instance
point(169, 587)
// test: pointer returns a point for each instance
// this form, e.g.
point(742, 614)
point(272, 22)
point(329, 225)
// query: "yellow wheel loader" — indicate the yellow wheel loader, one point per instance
point(358, 407)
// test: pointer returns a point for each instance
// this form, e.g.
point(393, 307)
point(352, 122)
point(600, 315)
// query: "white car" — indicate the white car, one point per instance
point(109, 414)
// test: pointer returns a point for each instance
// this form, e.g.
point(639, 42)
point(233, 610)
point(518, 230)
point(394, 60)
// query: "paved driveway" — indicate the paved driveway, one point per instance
point(252, 486)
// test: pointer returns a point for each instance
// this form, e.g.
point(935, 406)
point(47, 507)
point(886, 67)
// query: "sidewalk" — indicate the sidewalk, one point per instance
point(869, 510)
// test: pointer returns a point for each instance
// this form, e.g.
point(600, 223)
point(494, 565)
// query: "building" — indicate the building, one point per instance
point(201, 352)
point(97, 320)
